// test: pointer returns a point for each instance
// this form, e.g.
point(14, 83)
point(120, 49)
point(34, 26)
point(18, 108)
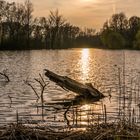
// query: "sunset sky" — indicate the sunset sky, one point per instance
point(86, 13)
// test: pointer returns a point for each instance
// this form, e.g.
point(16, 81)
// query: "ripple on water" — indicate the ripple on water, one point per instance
point(99, 67)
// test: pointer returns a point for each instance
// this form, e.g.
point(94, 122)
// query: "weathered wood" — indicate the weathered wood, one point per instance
point(86, 90)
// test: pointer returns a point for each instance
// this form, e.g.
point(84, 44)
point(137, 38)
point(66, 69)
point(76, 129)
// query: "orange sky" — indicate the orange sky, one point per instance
point(86, 13)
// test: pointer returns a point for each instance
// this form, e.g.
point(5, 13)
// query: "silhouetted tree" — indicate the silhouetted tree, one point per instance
point(28, 19)
point(56, 21)
point(45, 31)
point(134, 26)
point(37, 32)
point(137, 41)
point(19, 30)
point(114, 32)
point(115, 40)
point(2, 14)
point(118, 22)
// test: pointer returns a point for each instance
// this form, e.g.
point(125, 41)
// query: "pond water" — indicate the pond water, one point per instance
point(112, 72)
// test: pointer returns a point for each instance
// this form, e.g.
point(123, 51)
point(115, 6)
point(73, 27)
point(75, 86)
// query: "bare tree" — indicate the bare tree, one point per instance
point(28, 19)
point(55, 21)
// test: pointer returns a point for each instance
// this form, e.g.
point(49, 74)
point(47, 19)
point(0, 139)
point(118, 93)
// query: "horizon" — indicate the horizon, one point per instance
point(85, 13)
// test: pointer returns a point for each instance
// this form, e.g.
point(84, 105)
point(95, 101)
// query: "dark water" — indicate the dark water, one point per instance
point(99, 67)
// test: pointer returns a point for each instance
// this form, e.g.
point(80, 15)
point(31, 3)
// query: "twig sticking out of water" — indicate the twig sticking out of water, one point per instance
point(30, 85)
point(43, 86)
point(120, 90)
point(65, 116)
point(5, 76)
point(109, 94)
point(76, 115)
point(17, 117)
point(105, 114)
point(10, 98)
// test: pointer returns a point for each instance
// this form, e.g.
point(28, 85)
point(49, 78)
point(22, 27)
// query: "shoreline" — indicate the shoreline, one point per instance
point(123, 49)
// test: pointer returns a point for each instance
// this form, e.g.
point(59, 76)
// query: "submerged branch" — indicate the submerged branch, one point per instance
point(5, 76)
point(29, 84)
point(43, 85)
point(65, 115)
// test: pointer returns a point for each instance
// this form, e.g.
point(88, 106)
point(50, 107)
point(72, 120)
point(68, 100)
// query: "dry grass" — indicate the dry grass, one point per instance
point(113, 131)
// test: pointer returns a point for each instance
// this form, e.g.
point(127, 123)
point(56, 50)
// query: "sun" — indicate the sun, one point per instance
point(87, 0)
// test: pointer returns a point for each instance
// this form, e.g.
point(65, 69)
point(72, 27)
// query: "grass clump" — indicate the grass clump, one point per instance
point(112, 131)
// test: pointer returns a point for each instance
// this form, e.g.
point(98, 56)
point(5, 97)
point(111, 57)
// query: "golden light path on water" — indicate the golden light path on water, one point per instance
point(85, 58)
point(87, 116)
point(85, 75)
point(85, 68)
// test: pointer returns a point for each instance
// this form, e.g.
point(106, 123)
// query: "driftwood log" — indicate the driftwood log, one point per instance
point(85, 90)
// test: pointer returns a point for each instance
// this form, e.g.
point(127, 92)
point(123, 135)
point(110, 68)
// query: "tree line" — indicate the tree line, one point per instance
point(121, 32)
point(20, 30)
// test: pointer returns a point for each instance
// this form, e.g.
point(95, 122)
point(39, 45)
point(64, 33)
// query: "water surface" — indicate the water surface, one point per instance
point(96, 66)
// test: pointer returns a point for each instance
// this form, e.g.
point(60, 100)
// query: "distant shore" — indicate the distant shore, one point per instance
point(103, 48)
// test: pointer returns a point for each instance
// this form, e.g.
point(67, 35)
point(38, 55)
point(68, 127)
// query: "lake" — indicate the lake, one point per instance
point(116, 73)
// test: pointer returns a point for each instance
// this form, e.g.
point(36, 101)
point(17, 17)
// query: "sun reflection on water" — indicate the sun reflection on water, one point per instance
point(85, 57)
point(89, 114)
point(85, 107)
